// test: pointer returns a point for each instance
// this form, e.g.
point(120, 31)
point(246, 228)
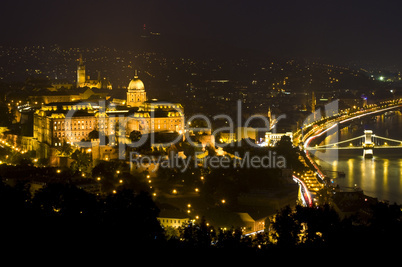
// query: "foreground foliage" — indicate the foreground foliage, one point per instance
point(61, 213)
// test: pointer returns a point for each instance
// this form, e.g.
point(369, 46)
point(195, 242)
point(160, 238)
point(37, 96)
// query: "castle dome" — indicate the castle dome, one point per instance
point(136, 84)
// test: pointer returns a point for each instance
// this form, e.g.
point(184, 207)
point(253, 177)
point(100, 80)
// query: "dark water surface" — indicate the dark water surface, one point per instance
point(379, 177)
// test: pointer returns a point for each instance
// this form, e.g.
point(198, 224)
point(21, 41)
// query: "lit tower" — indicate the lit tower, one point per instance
point(81, 78)
point(269, 114)
point(270, 117)
point(313, 101)
point(136, 92)
point(368, 144)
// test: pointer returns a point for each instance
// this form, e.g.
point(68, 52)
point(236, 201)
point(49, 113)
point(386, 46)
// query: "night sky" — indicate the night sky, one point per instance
point(369, 31)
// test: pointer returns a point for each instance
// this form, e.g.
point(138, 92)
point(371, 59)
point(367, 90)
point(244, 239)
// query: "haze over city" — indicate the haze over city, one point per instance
point(337, 31)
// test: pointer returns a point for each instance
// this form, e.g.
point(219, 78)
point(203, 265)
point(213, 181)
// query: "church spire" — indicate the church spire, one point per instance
point(81, 78)
point(80, 60)
point(269, 113)
point(313, 102)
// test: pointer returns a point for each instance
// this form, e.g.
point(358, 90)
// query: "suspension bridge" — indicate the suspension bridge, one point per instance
point(368, 141)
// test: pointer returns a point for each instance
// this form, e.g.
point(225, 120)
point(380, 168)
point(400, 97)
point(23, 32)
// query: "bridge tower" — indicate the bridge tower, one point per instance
point(368, 144)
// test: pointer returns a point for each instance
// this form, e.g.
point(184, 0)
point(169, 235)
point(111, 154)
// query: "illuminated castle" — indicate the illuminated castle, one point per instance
point(84, 81)
point(71, 122)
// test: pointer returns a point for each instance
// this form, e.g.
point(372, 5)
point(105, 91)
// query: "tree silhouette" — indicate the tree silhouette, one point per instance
point(65, 149)
point(285, 148)
point(386, 223)
point(198, 235)
point(230, 239)
point(320, 222)
point(82, 161)
point(62, 212)
point(7, 116)
point(135, 136)
point(132, 216)
point(64, 200)
point(95, 134)
point(287, 228)
point(13, 201)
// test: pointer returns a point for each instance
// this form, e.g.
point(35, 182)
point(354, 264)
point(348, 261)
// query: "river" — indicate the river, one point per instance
point(379, 177)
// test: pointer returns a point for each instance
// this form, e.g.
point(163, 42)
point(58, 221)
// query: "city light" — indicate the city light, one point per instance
point(228, 148)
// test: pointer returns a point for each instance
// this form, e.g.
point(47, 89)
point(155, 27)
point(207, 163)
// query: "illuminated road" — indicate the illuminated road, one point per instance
point(328, 125)
point(306, 195)
point(306, 181)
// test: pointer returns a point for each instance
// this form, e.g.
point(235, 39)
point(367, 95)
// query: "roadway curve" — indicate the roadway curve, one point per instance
point(304, 190)
point(329, 125)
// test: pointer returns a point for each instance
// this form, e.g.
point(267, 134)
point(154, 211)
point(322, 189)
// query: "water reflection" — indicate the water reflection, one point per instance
point(350, 171)
point(379, 177)
point(385, 174)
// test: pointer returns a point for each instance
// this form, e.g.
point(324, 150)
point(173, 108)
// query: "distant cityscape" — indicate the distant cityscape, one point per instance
point(107, 120)
point(195, 82)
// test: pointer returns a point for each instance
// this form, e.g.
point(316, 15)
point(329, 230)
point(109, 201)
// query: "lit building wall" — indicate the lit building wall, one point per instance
point(172, 222)
point(72, 130)
point(272, 138)
point(53, 124)
point(227, 137)
point(246, 132)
